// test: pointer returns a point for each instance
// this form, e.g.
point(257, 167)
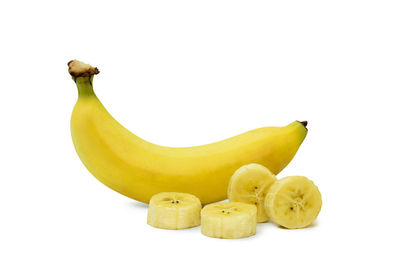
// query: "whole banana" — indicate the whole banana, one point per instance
point(139, 169)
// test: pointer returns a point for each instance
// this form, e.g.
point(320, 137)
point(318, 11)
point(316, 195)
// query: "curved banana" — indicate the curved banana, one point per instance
point(139, 169)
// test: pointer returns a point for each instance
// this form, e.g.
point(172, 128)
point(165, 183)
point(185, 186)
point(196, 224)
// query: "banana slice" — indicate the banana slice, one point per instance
point(229, 220)
point(250, 184)
point(293, 202)
point(171, 210)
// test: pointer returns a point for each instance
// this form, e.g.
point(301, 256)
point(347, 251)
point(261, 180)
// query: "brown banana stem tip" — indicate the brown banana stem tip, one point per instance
point(79, 69)
point(304, 123)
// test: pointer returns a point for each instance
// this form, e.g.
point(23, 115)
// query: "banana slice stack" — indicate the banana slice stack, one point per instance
point(255, 195)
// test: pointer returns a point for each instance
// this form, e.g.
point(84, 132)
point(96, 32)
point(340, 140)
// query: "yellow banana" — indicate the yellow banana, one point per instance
point(139, 169)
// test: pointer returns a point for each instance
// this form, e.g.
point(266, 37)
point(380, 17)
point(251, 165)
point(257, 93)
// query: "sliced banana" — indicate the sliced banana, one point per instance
point(250, 184)
point(171, 210)
point(293, 202)
point(229, 220)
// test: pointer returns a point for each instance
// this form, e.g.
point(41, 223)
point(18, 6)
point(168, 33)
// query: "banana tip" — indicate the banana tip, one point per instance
point(305, 123)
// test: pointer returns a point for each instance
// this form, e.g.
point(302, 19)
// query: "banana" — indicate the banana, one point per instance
point(139, 169)
point(171, 210)
point(250, 184)
point(293, 202)
point(229, 220)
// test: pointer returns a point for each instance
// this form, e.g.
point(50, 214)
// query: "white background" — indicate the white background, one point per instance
point(183, 73)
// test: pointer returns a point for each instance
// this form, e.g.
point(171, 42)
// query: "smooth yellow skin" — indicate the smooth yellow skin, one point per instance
point(139, 169)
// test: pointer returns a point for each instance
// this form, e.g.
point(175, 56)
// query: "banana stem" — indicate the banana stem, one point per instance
point(83, 75)
point(85, 86)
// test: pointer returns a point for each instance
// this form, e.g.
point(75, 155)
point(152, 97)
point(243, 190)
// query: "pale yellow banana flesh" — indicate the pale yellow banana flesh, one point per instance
point(293, 202)
point(250, 184)
point(172, 210)
point(229, 220)
point(139, 169)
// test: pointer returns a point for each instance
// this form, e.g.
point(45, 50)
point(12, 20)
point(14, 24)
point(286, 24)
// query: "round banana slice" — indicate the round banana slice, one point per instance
point(229, 220)
point(250, 184)
point(293, 202)
point(171, 210)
